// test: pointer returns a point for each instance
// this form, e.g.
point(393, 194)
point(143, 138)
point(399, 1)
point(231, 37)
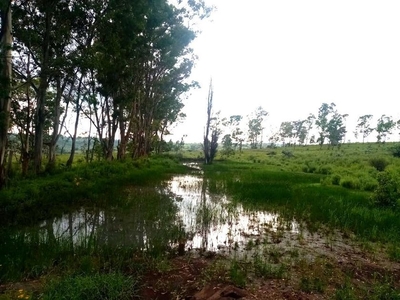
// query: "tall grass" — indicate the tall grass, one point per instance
point(99, 286)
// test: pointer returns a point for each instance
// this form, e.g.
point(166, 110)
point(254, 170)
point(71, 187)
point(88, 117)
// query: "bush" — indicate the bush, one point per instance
point(387, 192)
point(325, 170)
point(335, 179)
point(350, 183)
point(368, 183)
point(287, 153)
point(395, 150)
point(309, 168)
point(379, 163)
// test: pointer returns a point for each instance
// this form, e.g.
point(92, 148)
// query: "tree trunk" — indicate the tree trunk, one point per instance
point(78, 110)
point(41, 98)
point(207, 144)
point(124, 134)
point(5, 94)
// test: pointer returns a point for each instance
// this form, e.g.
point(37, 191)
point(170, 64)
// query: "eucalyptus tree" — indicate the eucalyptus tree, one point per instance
point(309, 123)
point(255, 126)
point(331, 124)
point(363, 127)
point(124, 64)
point(22, 114)
point(384, 127)
point(5, 82)
point(398, 126)
point(43, 31)
point(234, 130)
point(322, 121)
point(144, 58)
point(336, 128)
point(286, 131)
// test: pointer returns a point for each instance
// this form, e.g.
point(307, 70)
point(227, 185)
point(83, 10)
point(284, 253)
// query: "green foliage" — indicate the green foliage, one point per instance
point(364, 126)
point(384, 127)
point(387, 193)
point(384, 291)
point(287, 153)
point(345, 292)
point(312, 284)
point(394, 251)
point(395, 150)
point(350, 182)
point(99, 286)
point(335, 178)
point(379, 163)
point(227, 146)
point(255, 126)
point(266, 270)
point(238, 274)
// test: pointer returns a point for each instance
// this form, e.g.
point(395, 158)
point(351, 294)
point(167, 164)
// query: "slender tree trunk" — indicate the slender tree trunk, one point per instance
point(87, 157)
point(112, 122)
point(124, 134)
point(206, 144)
point(25, 134)
point(78, 110)
point(5, 94)
point(56, 123)
point(41, 98)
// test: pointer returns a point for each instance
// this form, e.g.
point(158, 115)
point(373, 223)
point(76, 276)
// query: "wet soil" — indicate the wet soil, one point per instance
point(335, 263)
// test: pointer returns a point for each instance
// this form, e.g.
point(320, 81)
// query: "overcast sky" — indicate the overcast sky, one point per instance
point(290, 56)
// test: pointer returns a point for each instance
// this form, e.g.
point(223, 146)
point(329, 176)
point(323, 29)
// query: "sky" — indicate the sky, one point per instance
point(290, 56)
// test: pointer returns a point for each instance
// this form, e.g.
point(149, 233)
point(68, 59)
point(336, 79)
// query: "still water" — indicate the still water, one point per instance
point(181, 211)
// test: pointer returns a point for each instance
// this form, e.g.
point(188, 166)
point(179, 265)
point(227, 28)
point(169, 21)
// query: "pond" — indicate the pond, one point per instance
point(180, 212)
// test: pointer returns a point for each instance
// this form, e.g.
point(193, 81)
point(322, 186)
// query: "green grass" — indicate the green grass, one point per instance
point(99, 286)
point(256, 182)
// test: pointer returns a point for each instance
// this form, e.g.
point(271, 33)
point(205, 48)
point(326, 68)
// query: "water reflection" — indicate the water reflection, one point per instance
point(212, 222)
point(181, 211)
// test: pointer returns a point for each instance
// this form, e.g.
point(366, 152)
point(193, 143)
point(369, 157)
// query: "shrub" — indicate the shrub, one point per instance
point(309, 168)
point(387, 193)
point(395, 150)
point(325, 170)
point(287, 153)
point(379, 163)
point(350, 183)
point(368, 183)
point(335, 179)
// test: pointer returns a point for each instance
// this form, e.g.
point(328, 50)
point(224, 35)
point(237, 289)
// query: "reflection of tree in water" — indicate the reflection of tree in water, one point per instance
point(210, 212)
point(150, 224)
point(147, 220)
